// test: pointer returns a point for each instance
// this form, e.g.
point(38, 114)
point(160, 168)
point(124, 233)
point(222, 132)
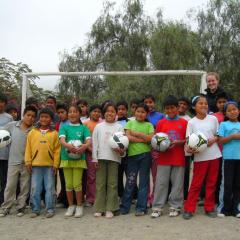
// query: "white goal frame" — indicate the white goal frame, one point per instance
point(25, 76)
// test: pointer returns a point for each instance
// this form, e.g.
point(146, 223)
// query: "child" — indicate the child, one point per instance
point(73, 168)
point(139, 160)
point(133, 104)
point(229, 136)
point(42, 157)
point(153, 117)
point(13, 111)
point(4, 119)
point(206, 163)
point(170, 163)
point(62, 112)
point(17, 171)
point(95, 118)
point(107, 161)
point(83, 105)
point(51, 103)
point(183, 107)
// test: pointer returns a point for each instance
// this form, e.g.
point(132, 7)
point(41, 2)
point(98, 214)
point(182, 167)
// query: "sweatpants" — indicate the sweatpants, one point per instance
point(208, 171)
point(165, 175)
point(16, 173)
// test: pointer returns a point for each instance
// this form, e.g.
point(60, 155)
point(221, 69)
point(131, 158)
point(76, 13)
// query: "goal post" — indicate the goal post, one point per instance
point(25, 76)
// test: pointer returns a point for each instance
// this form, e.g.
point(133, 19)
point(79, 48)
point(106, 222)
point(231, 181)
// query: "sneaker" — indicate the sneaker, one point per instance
point(156, 213)
point(97, 214)
point(20, 212)
point(173, 212)
point(4, 212)
point(187, 215)
point(78, 212)
point(70, 211)
point(34, 215)
point(211, 214)
point(109, 214)
point(49, 214)
point(88, 204)
point(139, 213)
point(221, 215)
point(237, 215)
point(60, 205)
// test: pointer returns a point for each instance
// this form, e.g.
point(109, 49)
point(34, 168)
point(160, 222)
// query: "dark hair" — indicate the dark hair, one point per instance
point(83, 102)
point(135, 101)
point(107, 106)
point(225, 109)
point(11, 107)
point(31, 100)
point(53, 98)
point(30, 108)
point(194, 101)
point(144, 106)
point(105, 103)
point(3, 98)
point(123, 103)
point(184, 99)
point(222, 95)
point(75, 106)
point(48, 111)
point(149, 96)
point(95, 106)
point(170, 101)
point(62, 106)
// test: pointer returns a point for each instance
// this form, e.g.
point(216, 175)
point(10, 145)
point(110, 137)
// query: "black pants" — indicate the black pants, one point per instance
point(62, 197)
point(3, 178)
point(231, 197)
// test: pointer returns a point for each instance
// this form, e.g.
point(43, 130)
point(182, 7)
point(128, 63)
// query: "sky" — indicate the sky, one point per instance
point(35, 32)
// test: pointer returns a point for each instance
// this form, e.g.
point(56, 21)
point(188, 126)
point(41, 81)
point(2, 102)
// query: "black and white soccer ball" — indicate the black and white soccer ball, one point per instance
point(5, 138)
point(197, 141)
point(76, 144)
point(119, 140)
point(160, 142)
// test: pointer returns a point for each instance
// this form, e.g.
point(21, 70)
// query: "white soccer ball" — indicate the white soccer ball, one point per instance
point(160, 142)
point(76, 144)
point(5, 138)
point(119, 140)
point(197, 141)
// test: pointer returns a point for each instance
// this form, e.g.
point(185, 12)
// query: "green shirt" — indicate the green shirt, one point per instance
point(143, 127)
point(73, 132)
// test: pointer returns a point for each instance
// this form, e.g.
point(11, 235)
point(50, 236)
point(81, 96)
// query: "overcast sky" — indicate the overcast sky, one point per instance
point(36, 31)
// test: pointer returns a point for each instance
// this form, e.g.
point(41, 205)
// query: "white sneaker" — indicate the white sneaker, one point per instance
point(237, 215)
point(78, 212)
point(109, 214)
point(97, 214)
point(173, 212)
point(70, 211)
point(221, 215)
point(156, 213)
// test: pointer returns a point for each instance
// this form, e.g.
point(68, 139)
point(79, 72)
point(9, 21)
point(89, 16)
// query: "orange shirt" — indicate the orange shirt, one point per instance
point(91, 124)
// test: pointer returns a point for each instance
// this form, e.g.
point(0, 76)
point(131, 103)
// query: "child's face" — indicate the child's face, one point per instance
point(2, 106)
point(95, 114)
point(14, 114)
point(62, 114)
point(150, 103)
point(121, 111)
point(133, 108)
point(141, 114)
point(182, 107)
point(29, 118)
point(201, 106)
point(110, 114)
point(171, 111)
point(45, 120)
point(220, 104)
point(212, 82)
point(50, 103)
point(73, 115)
point(232, 112)
point(84, 109)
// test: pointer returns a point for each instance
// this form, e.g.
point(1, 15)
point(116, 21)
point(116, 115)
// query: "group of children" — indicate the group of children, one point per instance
point(92, 173)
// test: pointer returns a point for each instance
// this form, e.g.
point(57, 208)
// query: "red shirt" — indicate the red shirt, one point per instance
point(176, 130)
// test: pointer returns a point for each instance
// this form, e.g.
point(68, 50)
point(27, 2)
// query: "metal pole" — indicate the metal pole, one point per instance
point(24, 93)
point(203, 85)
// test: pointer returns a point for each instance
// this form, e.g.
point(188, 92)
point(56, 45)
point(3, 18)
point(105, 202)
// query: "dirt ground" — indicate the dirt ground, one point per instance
point(124, 227)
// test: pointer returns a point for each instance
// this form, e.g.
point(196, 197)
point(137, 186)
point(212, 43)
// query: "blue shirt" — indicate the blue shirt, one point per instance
point(154, 117)
point(230, 149)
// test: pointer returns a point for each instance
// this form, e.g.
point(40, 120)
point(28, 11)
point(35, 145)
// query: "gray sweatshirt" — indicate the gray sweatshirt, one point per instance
point(100, 138)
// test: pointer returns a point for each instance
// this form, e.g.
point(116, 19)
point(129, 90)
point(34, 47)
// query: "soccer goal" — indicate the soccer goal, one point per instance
point(201, 74)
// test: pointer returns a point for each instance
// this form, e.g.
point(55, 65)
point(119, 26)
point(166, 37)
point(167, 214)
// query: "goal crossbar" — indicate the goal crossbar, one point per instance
point(113, 73)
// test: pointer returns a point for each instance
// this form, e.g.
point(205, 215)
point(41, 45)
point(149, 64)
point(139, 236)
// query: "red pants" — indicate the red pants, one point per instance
point(208, 171)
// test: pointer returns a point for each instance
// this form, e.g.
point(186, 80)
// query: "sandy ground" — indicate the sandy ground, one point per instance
point(124, 227)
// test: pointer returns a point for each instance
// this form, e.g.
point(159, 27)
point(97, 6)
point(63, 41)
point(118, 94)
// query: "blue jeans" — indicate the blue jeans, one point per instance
point(141, 164)
point(42, 176)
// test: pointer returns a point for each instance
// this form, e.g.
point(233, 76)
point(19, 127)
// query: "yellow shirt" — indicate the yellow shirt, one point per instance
point(42, 148)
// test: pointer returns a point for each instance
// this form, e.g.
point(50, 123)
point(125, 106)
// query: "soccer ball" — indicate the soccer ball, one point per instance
point(119, 140)
point(76, 144)
point(197, 141)
point(160, 142)
point(5, 138)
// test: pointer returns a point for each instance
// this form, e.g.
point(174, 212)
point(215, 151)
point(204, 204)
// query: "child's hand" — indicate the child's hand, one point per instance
point(96, 165)
point(190, 150)
point(81, 149)
point(236, 136)
point(29, 168)
point(55, 171)
point(120, 151)
point(173, 144)
point(71, 148)
point(211, 141)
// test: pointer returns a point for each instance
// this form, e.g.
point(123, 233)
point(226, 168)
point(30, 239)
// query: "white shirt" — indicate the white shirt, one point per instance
point(209, 127)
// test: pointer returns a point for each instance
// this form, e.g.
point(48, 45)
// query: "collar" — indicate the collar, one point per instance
point(176, 118)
